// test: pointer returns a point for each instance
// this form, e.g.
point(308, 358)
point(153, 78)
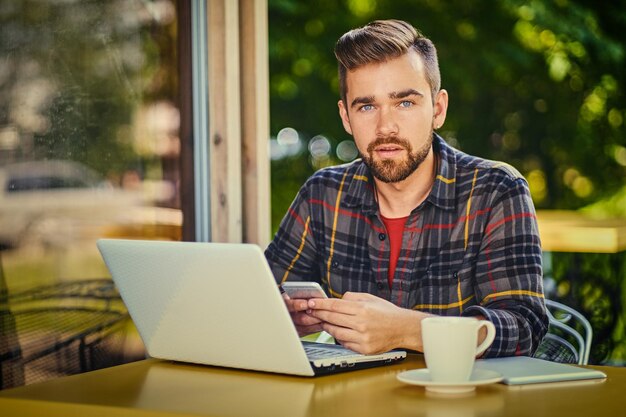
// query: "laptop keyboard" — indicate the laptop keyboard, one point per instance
point(316, 351)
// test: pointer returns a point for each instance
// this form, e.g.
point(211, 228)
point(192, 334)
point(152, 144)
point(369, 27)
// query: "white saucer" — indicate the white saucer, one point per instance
point(422, 377)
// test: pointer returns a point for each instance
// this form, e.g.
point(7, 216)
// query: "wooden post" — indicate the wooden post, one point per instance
point(255, 121)
point(224, 121)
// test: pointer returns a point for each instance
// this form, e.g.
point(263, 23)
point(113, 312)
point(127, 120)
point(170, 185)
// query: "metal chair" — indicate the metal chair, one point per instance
point(564, 341)
point(61, 329)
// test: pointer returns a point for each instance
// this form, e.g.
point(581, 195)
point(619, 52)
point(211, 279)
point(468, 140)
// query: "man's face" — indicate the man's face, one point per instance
point(390, 113)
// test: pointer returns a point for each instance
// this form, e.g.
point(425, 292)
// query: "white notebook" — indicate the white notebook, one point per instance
point(521, 370)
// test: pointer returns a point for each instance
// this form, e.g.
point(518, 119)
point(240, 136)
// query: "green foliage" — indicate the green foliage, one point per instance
point(593, 285)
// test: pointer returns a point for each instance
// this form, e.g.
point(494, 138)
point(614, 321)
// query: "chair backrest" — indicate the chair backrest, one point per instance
point(569, 332)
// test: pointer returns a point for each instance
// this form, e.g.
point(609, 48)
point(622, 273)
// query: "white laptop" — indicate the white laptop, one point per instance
point(218, 304)
point(522, 370)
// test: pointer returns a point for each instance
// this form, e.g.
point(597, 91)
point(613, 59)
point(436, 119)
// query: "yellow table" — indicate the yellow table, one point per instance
point(160, 388)
point(569, 231)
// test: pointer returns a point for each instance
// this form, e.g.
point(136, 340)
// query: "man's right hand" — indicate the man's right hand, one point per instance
point(305, 323)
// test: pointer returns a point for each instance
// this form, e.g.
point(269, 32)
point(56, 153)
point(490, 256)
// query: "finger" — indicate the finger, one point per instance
point(338, 319)
point(352, 346)
point(296, 306)
point(306, 330)
point(351, 339)
point(358, 296)
point(303, 319)
point(334, 304)
point(342, 334)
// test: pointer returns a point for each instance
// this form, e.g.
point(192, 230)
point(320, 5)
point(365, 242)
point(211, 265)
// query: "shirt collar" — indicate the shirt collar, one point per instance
point(359, 191)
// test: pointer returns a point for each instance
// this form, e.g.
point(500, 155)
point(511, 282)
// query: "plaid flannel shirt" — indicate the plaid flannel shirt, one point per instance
point(471, 248)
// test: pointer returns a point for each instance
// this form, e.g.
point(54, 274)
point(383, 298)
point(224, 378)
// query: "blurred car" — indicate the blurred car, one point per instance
point(56, 201)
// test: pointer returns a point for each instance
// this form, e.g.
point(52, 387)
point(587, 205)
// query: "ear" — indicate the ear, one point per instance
point(345, 119)
point(440, 109)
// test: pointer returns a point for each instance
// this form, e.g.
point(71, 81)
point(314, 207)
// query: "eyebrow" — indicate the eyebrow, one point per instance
point(362, 100)
point(393, 95)
point(405, 93)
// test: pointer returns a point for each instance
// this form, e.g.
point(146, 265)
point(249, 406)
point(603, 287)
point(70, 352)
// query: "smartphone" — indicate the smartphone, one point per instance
point(303, 290)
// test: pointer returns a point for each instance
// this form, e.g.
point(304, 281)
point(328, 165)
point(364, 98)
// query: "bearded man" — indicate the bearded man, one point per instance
point(414, 228)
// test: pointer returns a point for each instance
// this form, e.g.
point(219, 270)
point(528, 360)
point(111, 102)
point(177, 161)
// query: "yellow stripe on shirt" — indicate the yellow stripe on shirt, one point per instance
point(511, 292)
point(295, 258)
point(468, 208)
point(332, 238)
point(458, 304)
point(458, 294)
point(446, 180)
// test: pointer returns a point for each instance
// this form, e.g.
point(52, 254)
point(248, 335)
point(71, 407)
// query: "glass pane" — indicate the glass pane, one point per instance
point(89, 148)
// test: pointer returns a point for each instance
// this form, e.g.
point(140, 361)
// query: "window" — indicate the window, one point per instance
point(89, 147)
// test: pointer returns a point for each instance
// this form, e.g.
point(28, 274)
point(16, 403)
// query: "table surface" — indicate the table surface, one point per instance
point(161, 388)
point(570, 231)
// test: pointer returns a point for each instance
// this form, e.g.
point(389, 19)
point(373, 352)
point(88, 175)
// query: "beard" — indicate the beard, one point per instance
point(391, 170)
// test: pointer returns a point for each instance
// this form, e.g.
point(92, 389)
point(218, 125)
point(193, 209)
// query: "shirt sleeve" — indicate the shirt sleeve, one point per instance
point(509, 274)
point(292, 254)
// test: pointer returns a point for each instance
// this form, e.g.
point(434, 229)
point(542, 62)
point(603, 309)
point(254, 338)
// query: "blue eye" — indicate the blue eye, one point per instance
point(406, 103)
point(367, 107)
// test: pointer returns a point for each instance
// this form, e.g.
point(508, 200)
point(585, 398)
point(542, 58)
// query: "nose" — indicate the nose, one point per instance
point(386, 124)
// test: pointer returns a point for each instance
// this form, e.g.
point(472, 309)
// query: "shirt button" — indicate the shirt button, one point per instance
point(382, 236)
point(455, 275)
point(335, 264)
point(380, 285)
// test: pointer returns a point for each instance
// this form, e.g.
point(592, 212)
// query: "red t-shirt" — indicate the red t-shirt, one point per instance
point(395, 228)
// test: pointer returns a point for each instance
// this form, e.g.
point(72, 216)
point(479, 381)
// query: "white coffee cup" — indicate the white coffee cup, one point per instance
point(450, 346)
